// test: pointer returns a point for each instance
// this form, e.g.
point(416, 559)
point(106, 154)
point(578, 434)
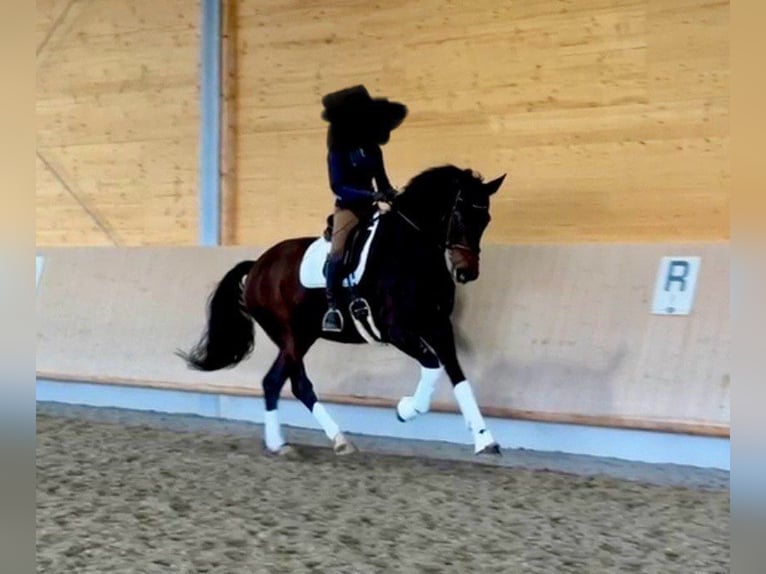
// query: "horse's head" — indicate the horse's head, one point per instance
point(452, 206)
point(468, 219)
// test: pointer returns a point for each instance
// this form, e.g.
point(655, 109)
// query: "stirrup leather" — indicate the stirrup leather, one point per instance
point(360, 308)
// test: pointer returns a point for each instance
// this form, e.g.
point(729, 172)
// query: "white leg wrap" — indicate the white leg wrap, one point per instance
point(420, 403)
point(426, 388)
point(274, 438)
point(405, 408)
point(472, 415)
point(324, 419)
point(467, 403)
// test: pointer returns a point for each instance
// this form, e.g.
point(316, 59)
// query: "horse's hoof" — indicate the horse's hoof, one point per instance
point(405, 405)
point(342, 446)
point(284, 451)
point(491, 449)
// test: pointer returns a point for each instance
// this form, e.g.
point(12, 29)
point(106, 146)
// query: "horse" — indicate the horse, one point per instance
point(427, 242)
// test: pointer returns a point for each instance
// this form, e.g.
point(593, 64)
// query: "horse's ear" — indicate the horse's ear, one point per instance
point(491, 187)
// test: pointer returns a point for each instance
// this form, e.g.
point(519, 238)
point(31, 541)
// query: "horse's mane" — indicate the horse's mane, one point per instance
point(436, 179)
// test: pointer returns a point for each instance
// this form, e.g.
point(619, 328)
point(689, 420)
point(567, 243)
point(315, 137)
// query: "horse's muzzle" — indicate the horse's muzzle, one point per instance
point(466, 276)
point(465, 265)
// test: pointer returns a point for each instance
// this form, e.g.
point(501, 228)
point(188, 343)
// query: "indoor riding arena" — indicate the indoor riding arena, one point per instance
point(573, 416)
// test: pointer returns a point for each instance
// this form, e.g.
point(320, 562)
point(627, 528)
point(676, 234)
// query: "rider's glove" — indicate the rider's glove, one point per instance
point(387, 195)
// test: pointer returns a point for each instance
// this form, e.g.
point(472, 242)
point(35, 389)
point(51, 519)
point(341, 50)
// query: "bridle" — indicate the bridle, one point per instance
point(453, 215)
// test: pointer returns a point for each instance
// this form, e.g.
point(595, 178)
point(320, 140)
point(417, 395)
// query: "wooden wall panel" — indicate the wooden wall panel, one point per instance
point(117, 111)
point(610, 116)
point(68, 220)
point(48, 12)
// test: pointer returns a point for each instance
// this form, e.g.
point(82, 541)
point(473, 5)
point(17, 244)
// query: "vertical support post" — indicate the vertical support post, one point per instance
point(210, 124)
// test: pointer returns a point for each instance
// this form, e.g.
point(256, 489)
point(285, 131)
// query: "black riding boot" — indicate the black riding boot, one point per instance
point(333, 318)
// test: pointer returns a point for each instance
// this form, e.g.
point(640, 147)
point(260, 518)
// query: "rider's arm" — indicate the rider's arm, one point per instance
point(344, 192)
point(381, 177)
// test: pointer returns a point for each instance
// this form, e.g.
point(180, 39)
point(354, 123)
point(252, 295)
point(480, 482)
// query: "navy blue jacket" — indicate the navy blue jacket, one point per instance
point(352, 174)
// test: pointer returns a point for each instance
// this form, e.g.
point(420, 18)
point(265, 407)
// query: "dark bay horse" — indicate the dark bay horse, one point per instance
point(440, 215)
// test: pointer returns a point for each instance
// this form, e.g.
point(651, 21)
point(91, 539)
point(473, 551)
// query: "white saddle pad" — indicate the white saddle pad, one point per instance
point(313, 261)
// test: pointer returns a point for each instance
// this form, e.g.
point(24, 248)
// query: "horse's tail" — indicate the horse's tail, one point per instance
point(229, 337)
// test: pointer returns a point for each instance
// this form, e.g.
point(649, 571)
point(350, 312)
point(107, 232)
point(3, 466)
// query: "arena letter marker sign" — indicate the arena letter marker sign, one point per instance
point(675, 285)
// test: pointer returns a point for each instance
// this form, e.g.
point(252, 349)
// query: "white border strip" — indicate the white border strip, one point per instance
point(40, 263)
point(625, 444)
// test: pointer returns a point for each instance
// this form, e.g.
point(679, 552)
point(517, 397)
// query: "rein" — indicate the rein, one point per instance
point(452, 215)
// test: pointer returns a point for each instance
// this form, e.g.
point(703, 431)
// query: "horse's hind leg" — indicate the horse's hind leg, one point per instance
point(272, 386)
point(303, 389)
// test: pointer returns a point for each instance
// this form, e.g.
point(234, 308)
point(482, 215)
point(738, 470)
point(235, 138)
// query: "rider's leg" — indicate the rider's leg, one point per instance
point(344, 221)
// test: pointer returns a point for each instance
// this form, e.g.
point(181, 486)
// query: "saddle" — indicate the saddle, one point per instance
point(354, 243)
point(354, 252)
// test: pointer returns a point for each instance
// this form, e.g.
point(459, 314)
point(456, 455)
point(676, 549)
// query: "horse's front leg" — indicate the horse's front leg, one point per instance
point(419, 402)
point(442, 341)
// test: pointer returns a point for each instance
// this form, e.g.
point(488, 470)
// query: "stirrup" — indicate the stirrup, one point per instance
point(328, 325)
point(360, 308)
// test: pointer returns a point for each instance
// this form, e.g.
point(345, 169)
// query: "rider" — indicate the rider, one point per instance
point(359, 125)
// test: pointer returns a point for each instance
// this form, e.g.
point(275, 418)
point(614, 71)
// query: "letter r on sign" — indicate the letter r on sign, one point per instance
point(678, 271)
